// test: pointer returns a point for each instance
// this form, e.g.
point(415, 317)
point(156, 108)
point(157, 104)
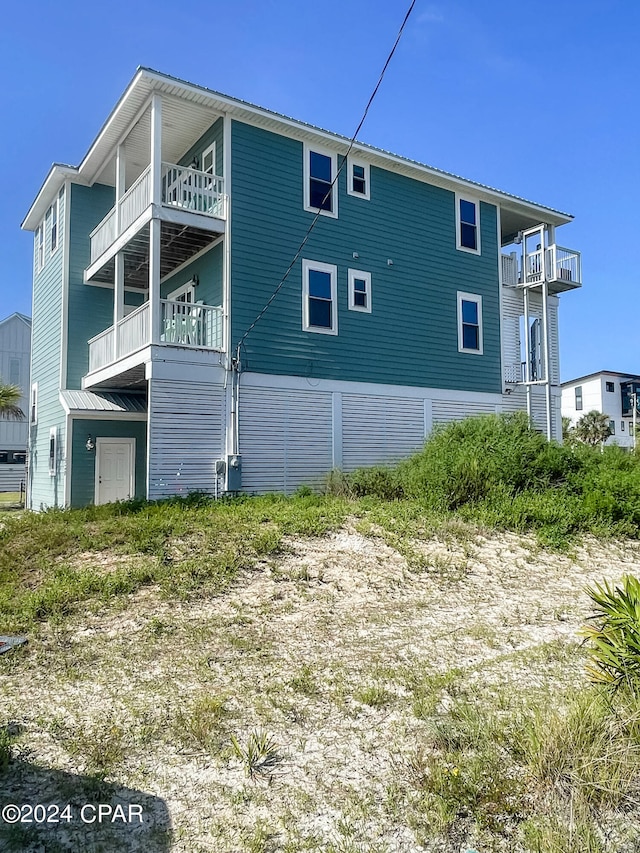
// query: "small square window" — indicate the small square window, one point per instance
point(319, 308)
point(359, 291)
point(468, 225)
point(579, 398)
point(358, 177)
point(469, 323)
point(320, 193)
point(610, 387)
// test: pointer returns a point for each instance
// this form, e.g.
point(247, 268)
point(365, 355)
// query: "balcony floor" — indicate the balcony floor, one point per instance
point(178, 243)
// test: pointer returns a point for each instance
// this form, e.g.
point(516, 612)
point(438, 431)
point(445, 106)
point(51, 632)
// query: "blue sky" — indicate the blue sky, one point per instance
point(541, 100)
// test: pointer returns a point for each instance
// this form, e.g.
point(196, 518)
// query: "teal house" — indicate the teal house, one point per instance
point(227, 299)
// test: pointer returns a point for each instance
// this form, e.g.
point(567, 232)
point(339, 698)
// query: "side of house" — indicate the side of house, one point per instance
point(15, 349)
point(609, 392)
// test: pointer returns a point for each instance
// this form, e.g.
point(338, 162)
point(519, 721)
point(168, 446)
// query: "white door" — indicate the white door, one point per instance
point(115, 469)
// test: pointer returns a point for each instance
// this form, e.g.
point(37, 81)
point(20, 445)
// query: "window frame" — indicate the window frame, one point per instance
point(189, 287)
point(610, 387)
point(308, 151)
point(210, 149)
point(13, 362)
point(612, 427)
point(352, 275)
point(33, 404)
point(318, 266)
point(621, 426)
point(39, 247)
point(578, 396)
point(55, 219)
point(476, 203)
point(354, 161)
point(53, 451)
point(470, 297)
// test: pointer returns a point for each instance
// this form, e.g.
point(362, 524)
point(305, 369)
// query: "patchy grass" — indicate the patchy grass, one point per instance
point(313, 674)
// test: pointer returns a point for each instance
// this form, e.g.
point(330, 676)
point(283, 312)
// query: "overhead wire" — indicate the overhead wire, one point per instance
point(309, 231)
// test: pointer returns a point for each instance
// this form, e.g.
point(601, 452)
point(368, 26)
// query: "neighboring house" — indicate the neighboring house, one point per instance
point(609, 392)
point(15, 348)
point(155, 257)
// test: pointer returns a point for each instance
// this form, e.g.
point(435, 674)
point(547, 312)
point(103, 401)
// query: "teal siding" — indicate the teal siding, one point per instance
point(83, 463)
point(411, 337)
point(213, 134)
point(208, 268)
point(45, 490)
point(90, 308)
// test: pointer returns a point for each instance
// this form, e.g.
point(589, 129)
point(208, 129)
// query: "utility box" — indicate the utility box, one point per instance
point(234, 473)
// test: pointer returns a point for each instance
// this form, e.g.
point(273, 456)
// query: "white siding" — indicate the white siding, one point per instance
point(286, 438)
point(11, 476)
point(445, 411)
point(377, 430)
point(185, 437)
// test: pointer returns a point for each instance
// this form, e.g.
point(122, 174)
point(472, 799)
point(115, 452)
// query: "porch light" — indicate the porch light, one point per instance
point(91, 444)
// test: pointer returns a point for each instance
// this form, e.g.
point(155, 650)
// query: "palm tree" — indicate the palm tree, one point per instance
point(9, 398)
point(593, 428)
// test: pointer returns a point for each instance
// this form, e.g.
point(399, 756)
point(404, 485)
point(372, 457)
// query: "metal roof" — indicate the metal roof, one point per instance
point(88, 401)
point(201, 100)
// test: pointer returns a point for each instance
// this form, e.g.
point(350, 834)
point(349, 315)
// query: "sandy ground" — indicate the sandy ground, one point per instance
point(319, 649)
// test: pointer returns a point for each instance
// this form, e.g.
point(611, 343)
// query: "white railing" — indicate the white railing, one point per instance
point(182, 324)
point(182, 187)
point(134, 330)
point(563, 265)
point(534, 267)
point(510, 269)
point(192, 325)
point(193, 190)
point(103, 235)
point(101, 350)
point(135, 200)
point(128, 209)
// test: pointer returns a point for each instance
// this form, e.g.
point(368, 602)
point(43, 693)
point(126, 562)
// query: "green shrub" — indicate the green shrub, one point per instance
point(614, 635)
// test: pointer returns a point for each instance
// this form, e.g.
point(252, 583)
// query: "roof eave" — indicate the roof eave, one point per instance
point(54, 181)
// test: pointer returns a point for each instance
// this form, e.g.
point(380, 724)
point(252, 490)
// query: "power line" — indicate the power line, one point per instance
point(330, 190)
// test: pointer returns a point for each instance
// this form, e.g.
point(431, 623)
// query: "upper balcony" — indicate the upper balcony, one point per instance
point(561, 268)
point(190, 199)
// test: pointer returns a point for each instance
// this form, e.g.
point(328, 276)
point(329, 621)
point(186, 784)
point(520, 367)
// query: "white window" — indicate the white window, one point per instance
point(53, 448)
point(39, 247)
point(15, 369)
point(469, 323)
point(54, 226)
point(359, 291)
point(319, 302)
point(358, 177)
point(467, 224)
point(320, 191)
point(209, 160)
point(33, 416)
point(184, 293)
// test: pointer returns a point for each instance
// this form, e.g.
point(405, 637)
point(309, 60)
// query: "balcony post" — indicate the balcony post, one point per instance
point(155, 224)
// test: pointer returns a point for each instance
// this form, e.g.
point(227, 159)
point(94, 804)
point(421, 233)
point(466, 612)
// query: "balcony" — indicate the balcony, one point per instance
point(182, 324)
point(560, 267)
point(189, 198)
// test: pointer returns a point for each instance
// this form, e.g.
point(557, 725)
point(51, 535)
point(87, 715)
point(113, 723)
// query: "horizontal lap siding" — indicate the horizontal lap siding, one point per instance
point(186, 437)
point(46, 490)
point(414, 316)
point(15, 345)
point(378, 430)
point(11, 476)
point(285, 439)
point(445, 411)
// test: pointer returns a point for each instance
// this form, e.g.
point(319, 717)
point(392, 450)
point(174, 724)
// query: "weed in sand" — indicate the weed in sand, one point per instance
point(260, 754)
point(201, 725)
